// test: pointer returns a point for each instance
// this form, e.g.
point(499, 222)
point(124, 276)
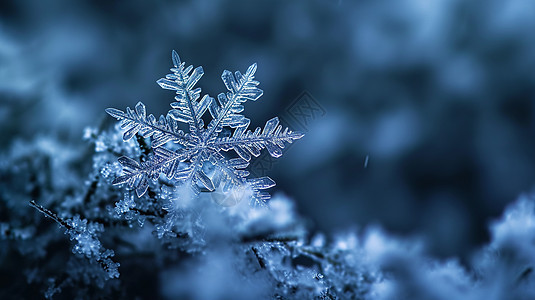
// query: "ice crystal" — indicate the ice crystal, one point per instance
point(87, 242)
point(198, 160)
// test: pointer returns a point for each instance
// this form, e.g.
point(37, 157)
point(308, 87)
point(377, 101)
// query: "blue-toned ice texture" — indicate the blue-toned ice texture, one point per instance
point(419, 133)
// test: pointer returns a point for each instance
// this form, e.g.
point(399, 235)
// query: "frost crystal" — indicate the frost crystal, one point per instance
point(197, 160)
point(87, 243)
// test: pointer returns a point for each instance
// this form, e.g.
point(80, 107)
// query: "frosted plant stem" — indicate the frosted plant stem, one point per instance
point(51, 215)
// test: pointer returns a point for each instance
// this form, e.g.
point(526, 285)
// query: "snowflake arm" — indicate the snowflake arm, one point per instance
point(187, 109)
point(137, 121)
point(230, 173)
point(196, 174)
point(137, 175)
point(246, 143)
point(226, 111)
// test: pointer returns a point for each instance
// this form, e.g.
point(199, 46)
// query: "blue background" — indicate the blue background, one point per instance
point(438, 93)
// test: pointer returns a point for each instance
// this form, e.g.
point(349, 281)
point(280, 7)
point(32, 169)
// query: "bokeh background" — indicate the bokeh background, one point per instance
point(437, 93)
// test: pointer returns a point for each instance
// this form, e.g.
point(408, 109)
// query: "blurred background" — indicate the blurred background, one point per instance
point(438, 94)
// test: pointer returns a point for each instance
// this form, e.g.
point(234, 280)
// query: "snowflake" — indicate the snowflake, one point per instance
point(197, 158)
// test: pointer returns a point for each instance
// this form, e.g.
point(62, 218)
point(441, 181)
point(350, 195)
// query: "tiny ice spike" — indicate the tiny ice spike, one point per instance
point(198, 159)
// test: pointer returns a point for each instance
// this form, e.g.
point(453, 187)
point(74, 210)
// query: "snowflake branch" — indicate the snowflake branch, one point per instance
point(186, 109)
point(241, 88)
point(247, 143)
point(136, 121)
